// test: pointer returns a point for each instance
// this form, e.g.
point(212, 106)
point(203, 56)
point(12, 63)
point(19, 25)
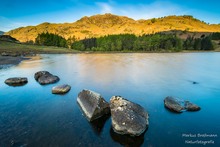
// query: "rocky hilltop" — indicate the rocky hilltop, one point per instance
point(100, 25)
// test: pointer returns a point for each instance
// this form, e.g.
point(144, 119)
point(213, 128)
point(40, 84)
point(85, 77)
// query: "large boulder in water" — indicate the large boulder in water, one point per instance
point(16, 81)
point(179, 105)
point(44, 77)
point(61, 89)
point(92, 104)
point(128, 117)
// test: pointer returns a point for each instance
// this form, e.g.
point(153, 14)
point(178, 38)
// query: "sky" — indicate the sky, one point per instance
point(20, 13)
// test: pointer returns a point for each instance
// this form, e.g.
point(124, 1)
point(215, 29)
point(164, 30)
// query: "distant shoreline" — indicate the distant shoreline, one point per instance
point(7, 61)
point(113, 52)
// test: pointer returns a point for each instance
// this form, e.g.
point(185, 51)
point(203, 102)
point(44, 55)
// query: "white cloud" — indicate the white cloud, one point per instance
point(142, 11)
point(105, 7)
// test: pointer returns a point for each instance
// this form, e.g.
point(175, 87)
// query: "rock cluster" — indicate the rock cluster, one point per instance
point(179, 105)
point(128, 118)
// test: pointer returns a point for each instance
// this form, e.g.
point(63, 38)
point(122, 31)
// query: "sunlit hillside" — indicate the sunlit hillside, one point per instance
point(100, 25)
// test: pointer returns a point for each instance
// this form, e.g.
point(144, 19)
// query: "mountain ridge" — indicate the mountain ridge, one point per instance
point(107, 24)
point(1, 32)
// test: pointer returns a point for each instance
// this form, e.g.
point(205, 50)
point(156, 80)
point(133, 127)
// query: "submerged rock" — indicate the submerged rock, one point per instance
point(92, 104)
point(191, 107)
point(128, 117)
point(60, 89)
point(127, 140)
point(44, 77)
point(16, 81)
point(195, 82)
point(98, 124)
point(179, 105)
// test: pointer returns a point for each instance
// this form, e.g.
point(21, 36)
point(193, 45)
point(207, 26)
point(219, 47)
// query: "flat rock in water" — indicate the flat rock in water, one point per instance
point(128, 117)
point(174, 104)
point(191, 107)
point(179, 105)
point(92, 104)
point(44, 77)
point(60, 89)
point(16, 81)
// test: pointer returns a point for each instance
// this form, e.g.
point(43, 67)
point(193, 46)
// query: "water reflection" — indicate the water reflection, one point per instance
point(17, 85)
point(98, 124)
point(127, 140)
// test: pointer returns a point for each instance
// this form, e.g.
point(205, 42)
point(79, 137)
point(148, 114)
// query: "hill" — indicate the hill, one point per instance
point(100, 25)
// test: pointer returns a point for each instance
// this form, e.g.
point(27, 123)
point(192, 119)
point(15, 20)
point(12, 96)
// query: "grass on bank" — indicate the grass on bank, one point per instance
point(17, 47)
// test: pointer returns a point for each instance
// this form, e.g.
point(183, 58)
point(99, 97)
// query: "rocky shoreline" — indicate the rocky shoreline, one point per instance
point(10, 61)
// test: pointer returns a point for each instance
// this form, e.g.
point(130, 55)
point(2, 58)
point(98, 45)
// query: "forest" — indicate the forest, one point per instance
point(50, 39)
point(129, 42)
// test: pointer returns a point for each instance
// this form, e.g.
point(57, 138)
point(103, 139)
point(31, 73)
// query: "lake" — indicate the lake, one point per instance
point(31, 116)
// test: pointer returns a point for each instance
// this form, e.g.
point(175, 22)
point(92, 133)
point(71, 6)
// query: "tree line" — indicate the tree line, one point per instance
point(151, 43)
point(215, 36)
point(50, 39)
point(130, 42)
point(203, 43)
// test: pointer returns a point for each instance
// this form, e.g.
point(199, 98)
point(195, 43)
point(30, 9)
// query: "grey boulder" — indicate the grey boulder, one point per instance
point(61, 89)
point(16, 81)
point(44, 77)
point(179, 105)
point(92, 104)
point(128, 117)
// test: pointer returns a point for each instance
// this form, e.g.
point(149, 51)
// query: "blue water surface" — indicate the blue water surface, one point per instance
point(31, 115)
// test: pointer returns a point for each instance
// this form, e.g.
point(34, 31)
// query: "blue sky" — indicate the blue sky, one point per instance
point(17, 13)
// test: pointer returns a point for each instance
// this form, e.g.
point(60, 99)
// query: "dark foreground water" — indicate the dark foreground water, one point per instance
point(31, 116)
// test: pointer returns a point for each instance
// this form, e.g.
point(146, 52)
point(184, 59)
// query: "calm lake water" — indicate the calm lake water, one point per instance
point(31, 116)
